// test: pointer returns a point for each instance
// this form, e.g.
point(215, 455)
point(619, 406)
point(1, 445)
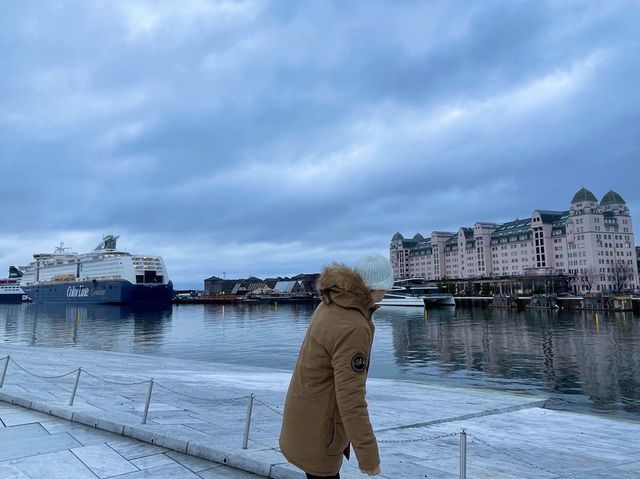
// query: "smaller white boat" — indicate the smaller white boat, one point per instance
point(416, 292)
point(439, 299)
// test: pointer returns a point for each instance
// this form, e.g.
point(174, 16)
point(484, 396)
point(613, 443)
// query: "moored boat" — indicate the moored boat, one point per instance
point(416, 292)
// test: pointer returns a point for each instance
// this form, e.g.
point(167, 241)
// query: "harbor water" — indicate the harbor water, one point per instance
point(586, 361)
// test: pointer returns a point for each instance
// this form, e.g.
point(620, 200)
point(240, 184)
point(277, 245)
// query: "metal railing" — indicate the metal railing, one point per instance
point(150, 382)
point(253, 401)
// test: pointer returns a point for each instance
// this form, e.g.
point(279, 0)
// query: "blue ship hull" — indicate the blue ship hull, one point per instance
point(100, 292)
point(10, 298)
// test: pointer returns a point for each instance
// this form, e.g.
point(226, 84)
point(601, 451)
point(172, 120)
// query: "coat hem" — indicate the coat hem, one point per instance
point(307, 470)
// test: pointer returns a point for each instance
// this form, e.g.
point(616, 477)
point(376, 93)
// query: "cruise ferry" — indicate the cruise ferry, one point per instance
point(416, 292)
point(105, 275)
point(10, 290)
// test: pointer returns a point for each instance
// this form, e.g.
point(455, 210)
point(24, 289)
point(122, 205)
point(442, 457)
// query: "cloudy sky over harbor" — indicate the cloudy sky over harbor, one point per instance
point(271, 138)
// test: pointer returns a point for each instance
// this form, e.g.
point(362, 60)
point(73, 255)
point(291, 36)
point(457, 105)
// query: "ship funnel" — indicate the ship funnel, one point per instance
point(108, 242)
point(14, 273)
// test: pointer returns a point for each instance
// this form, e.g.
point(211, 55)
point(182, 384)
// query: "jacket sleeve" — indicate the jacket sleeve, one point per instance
point(350, 376)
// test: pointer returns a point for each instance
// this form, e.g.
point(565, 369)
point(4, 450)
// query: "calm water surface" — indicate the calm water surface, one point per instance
point(587, 360)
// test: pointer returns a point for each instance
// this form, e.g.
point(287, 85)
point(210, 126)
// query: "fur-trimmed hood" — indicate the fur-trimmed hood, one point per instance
point(342, 285)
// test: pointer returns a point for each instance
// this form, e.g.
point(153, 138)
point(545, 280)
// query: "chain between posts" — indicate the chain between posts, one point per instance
point(115, 382)
point(199, 398)
point(271, 407)
point(421, 439)
point(39, 376)
point(513, 456)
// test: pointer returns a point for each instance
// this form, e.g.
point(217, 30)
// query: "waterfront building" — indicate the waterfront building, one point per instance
point(302, 283)
point(591, 244)
point(215, 285)
point(288, 287)
point(307, 281)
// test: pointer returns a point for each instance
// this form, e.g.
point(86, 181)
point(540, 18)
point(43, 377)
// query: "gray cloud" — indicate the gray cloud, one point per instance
point(271, 138)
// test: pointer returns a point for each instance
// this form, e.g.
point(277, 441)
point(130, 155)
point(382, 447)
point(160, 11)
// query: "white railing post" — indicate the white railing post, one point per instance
point(75, 387)
point(4, 370)
point(463, 454)
point(146, 406)
point(247, 424)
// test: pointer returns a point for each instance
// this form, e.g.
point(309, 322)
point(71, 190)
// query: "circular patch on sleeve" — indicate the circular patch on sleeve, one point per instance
point(359, 362)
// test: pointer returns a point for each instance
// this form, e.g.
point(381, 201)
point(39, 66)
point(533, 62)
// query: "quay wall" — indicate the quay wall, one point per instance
point(571, 303)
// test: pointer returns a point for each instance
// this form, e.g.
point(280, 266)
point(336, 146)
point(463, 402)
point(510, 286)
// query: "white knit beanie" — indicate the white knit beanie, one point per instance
point(375, 270)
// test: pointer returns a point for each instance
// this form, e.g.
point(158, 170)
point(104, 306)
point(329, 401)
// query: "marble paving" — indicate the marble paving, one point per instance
point(197, 415)
point(40, 446)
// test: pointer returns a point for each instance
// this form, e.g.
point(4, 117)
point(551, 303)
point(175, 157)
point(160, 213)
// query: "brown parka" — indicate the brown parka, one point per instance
point(325, 407)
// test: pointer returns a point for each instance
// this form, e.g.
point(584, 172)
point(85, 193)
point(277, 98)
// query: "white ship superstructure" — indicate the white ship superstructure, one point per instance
point(103, 275)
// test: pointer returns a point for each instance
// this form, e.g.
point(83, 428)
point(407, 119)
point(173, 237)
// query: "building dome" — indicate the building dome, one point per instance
point(584, 196)
point(397, 237)
point(612, 198)
point(418, 237)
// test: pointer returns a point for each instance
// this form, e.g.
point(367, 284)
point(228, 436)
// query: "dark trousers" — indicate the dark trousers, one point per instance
point(311, 476)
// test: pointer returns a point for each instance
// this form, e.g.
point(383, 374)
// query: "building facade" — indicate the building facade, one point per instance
point(592, 243)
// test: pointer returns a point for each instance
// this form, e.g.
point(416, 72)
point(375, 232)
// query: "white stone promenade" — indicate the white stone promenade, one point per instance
point(197, 416)
point(37, 445)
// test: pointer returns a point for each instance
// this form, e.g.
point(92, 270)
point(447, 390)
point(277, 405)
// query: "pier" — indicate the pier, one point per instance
point(237, 299)
point(569, 303)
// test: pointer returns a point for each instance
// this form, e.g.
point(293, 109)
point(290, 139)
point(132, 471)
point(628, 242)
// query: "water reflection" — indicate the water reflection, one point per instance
point(109, 327)
point(594, 354)
point(589, 357)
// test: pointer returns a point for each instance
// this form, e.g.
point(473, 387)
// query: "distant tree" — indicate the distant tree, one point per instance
point(589, 276)
point(622, 272)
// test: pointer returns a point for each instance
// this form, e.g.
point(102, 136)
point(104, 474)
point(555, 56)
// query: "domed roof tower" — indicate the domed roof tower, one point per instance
point(584, 202)
point(612, 198)
point(584, 196)
point(613, 201)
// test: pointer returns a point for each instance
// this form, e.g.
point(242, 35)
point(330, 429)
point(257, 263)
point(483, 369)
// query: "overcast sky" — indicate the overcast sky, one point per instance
point(270, 138)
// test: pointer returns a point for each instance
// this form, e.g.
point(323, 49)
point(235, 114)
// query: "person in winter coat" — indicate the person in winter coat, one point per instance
point(325, 409)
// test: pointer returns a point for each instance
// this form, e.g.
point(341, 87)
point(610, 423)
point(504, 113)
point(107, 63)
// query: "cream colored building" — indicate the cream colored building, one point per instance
point(592, 243)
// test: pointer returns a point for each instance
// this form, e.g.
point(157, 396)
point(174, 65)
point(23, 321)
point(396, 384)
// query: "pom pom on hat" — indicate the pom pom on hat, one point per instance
point(376, 271)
